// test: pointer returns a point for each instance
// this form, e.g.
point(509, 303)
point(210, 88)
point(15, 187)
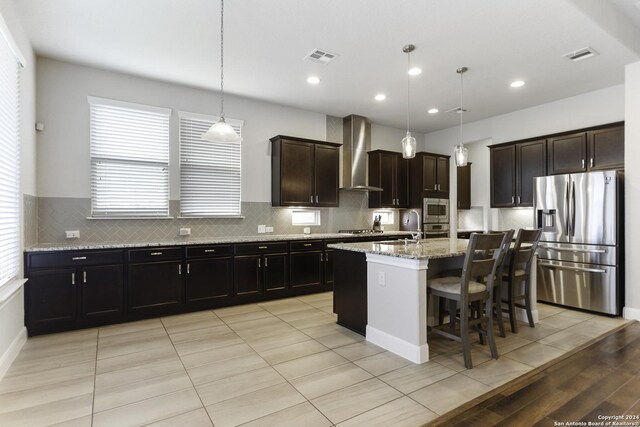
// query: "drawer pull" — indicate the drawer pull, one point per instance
point(209, 250)
point(188, 269)
point(155, 253)
point(307, 244)
point(179, 269)
point(84, 277)
point(73, 278)
point(263, 247)
point(78, 258)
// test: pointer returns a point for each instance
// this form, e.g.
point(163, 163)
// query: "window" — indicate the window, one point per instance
point(9, 162)
point(305, 217)
point(210, 179)
point(386, 217)
point(129, 159)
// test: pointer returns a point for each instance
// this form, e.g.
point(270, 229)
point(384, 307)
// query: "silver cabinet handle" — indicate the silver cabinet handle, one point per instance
point(266, 262)
point(582, 163)
point(179, 269)
point(207, 251)
point(311, 198)
point(591, 162)
point(188, 268)
point(259, 263)
point(458, 203)
point(518, 199)
point(78, 258)
point(262, 247)
point(438, 187)
point(155, 253)
point(586, 251)
point(317, 198)
point(84, 277)
point(513, 201)
point(578, 269)
point(307, 244)
point(73, 278)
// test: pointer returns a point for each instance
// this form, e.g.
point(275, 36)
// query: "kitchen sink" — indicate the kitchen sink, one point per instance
point(395, 242)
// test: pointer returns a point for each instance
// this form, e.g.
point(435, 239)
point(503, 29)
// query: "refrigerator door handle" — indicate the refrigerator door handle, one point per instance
point(587, 251)
point(573, 208)
point(566, 209)
point(579, 269)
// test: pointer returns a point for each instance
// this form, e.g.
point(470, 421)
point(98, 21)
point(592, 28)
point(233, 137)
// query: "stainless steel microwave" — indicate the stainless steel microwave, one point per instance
point(435, 211)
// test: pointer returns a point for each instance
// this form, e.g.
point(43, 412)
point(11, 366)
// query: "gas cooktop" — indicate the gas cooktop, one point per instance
point(360, 231)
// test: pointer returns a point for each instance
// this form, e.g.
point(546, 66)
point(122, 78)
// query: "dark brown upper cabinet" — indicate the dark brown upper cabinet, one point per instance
point(429, 177)
point(304, 172)
point(389, 171)
point(464, 186)
point(513, 168)
point(593, 149)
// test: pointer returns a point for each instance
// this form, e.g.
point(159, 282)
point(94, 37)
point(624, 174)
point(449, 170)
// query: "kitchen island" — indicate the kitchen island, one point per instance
point(380, 290)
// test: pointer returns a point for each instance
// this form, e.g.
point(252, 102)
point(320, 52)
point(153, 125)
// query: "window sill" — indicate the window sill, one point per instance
point(212, 217)
point(9, 289)
point(130, 217)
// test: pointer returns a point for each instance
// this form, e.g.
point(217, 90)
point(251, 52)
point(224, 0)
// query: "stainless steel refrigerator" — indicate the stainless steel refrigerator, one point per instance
point(581, 252)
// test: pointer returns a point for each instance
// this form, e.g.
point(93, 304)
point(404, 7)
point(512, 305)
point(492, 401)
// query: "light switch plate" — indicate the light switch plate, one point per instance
point(72, 234)
point(382, 279)
point(261, 229)
point(185, 232)
point(269, 229)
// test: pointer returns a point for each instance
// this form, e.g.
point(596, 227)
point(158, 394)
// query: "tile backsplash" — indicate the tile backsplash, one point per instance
point(515, 218)
point(471, 219)
point(55, 215)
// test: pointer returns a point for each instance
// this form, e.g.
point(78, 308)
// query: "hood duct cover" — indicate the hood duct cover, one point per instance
point(356, 142)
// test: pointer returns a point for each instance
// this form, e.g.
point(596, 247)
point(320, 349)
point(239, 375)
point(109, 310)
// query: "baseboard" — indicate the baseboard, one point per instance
point(631, 313)
point(12, 352)
point(412, 352)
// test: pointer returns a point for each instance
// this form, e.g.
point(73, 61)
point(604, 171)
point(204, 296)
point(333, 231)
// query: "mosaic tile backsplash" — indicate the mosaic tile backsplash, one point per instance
point(55, 215)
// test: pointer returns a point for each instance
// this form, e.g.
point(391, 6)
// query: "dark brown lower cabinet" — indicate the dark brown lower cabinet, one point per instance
point(275, 273)
point(209, 280)
point(154, 285)
point(260, 274)
point(306, 269)
point(328, 269)
point(102, 291)
point(51, 298)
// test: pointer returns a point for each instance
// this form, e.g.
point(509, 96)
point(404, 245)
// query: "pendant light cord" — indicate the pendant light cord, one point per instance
point(408, 83)
point(461, 108)
point(222, 60)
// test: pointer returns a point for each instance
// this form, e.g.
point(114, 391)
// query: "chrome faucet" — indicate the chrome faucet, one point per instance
point(418, 234)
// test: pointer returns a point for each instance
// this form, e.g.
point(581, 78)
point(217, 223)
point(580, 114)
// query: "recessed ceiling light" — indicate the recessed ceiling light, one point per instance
point(517, 83)
point(380, 97)
point(313, 80)
point(432, 110)
point(415, 71)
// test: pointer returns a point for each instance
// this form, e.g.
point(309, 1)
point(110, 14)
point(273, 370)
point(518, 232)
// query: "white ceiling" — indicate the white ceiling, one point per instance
point(265, 41)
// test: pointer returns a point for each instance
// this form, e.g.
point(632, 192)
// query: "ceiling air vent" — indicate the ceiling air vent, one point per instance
point(320, 56)
point(580, 54)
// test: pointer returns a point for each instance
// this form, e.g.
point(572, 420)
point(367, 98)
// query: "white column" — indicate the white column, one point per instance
point(397, 305)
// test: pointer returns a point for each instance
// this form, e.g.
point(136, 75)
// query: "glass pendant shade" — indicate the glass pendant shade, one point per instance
point(221, 132)
point(461, 153)
point(408, 146)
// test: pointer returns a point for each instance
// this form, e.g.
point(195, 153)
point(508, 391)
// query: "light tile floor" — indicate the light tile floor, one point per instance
point(283, 363)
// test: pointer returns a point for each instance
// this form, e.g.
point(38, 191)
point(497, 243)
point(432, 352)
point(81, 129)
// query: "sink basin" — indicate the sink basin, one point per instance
point(395, 242)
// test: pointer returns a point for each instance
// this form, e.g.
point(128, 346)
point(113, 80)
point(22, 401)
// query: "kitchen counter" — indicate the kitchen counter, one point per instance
point(77, 246)
point(425, 250)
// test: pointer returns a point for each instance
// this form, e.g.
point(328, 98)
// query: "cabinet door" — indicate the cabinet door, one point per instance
point(531, 161)
point(297, 173)
point(443, 174)
point(328, 269)
point(503, 176)
point(326, 175)
point(209, 279)
point(102, 291)
point(402, 182)
point(464, 186)
point(306, 269)
point(567, 154)
point(387, 180)
point(154, 285)
point(606, 148)
point(429, 174)
point(275, 272)
point(51, 298)
point(247, 271)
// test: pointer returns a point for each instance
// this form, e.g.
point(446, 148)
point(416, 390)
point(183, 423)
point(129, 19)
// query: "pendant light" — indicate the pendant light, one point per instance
point(408, 142)
point(221, 131)
point(461, 153)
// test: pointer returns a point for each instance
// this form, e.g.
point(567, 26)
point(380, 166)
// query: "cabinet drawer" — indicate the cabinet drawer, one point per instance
point(64, 259)
point(154, 254)
point(256, 248)
point(313, 245)
point(208, 251)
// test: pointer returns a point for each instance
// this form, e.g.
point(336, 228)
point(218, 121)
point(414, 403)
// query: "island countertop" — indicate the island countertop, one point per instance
point(426, 249)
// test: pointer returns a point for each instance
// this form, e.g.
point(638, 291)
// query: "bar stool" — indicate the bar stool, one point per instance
point(475, 285)
point(517, 276)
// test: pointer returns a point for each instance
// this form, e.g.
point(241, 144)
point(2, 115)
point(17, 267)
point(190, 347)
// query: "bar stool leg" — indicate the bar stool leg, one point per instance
point(497, 303)
point(489, 329)
point(511, 303)
point(527, 301)
point(464, 335)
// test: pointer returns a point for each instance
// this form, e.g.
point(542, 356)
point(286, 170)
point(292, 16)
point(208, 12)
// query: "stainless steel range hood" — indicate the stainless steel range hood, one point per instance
point(356, 141)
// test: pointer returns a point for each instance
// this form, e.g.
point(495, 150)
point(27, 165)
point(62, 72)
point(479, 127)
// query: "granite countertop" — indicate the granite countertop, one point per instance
point(77, 246)
point(426, 249)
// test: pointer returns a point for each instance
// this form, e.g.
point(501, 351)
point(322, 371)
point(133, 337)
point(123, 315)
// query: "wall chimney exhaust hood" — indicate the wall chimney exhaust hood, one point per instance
point(356, 141)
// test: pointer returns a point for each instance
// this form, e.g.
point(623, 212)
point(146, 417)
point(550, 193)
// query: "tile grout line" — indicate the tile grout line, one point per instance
point(95, 375)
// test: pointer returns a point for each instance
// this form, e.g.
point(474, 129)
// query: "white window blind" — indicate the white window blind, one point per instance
point(210, 179)
point(9, 162)
point(129, 159)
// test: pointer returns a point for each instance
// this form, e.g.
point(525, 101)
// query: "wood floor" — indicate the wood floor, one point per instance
point(601, 380)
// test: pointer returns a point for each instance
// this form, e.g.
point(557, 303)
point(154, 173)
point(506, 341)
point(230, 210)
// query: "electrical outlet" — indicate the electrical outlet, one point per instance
point(307, 230)
point(72, 234)
point(185, 232)
point(269, 229)
point(382, 228)
point(261, 229)
point(382, 278)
